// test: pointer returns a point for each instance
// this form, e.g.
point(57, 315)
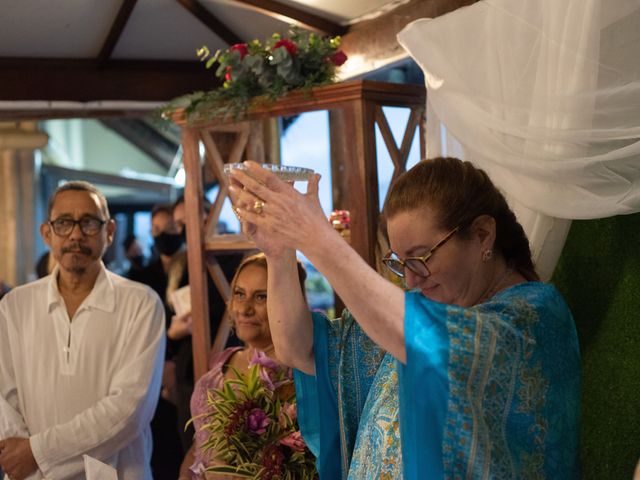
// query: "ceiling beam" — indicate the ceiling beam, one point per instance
point(212, 22)
point(146, 138)
point(289, 14)
point(85, 81)
point(116, 30)
point(374, 42)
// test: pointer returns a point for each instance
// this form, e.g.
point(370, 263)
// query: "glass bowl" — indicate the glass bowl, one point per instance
point(286, 173)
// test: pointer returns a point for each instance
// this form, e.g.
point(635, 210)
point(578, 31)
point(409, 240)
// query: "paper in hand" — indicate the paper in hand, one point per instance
point(181, 300)
point(96, 470)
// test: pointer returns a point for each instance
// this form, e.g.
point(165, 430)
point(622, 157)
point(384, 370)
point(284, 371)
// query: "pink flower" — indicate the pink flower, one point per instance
point(241, 48)
point(338, 58)
point(227, 75)
point(291, 410)
point(291, 47)
point(288, 414)
point(294, 441)
point(257, 421)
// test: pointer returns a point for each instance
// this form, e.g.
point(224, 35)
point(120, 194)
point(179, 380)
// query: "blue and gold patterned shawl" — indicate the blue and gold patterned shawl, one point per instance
point(348, 412)
point(490, 392)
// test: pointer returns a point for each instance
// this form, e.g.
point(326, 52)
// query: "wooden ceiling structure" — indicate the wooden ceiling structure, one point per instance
point(117, 56)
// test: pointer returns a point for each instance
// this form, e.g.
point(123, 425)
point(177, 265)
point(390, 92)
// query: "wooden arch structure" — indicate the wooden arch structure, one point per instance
point(355, 108)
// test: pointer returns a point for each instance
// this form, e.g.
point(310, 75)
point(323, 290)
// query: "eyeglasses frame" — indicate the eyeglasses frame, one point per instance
point(423, 259)
point(77, 222)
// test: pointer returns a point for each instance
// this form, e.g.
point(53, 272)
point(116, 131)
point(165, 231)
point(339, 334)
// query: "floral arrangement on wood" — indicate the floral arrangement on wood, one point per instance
point(253, 428)
point(266, 71)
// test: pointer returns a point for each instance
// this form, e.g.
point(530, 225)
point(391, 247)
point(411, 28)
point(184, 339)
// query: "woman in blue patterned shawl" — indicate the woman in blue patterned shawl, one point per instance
point(470, 372)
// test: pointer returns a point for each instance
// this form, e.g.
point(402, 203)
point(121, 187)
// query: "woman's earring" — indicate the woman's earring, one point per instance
point(487, 255)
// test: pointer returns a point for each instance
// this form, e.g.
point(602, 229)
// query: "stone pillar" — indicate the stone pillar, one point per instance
point(18, 199)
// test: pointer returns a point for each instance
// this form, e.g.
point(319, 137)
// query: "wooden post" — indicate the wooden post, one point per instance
point(193, 195)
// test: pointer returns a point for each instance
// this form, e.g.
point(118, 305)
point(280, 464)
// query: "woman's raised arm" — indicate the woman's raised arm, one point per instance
point(289, 316)
point(289, 219)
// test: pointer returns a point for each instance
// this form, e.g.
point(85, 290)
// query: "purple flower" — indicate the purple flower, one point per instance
point(260, 358)
point(272, 374)
point(266, 379)
point(257, 421)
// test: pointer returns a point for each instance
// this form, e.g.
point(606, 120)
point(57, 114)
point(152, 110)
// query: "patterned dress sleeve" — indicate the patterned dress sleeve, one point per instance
point(330, 403)
point(490, 391)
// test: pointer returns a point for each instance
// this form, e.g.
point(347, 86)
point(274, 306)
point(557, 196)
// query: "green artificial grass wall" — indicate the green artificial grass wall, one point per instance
point(599, 276)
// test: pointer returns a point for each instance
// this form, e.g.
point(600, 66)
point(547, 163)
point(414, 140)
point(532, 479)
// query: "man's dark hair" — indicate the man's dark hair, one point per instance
point(162, 208)
point(79, 186)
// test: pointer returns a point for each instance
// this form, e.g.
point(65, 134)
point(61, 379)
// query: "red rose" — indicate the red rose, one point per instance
point(291, 47)
point(241, 48)
point(338, 58)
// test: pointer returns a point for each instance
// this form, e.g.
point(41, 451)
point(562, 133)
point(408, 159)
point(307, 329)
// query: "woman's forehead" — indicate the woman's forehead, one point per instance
point(252, 273)
point(412, 229)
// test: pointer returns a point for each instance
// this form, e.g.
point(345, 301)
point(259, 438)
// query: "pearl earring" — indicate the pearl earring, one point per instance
point(487, 255)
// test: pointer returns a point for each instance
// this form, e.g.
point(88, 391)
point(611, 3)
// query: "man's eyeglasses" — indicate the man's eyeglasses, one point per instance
point(417, 265)
point(89, 226)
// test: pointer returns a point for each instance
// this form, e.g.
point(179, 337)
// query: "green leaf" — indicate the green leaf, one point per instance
point(238, 472)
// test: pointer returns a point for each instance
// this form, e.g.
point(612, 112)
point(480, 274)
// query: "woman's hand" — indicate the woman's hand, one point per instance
point(180, 326)
point(286, 218)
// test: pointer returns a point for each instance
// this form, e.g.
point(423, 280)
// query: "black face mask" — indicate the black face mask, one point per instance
point(168, 243)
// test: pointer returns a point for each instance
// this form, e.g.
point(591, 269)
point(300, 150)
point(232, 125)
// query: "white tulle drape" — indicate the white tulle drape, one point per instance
point(545, 96)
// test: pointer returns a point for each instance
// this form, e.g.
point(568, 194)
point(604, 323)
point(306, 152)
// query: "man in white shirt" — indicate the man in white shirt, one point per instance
point(81, 354)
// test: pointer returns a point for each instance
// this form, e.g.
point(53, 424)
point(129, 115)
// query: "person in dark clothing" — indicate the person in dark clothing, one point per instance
point(133, 253)
point(180, 330)
point(45, 264)
point(4, 289)
point(167, 447)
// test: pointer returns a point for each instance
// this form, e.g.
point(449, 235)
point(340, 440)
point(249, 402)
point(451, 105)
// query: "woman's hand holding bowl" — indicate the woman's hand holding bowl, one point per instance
point(277, 216)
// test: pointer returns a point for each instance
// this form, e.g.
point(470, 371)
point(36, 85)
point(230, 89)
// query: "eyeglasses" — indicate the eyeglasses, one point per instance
point(89, 226)
point(417, 265)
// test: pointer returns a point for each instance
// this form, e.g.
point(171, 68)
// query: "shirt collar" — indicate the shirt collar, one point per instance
point(102, 297)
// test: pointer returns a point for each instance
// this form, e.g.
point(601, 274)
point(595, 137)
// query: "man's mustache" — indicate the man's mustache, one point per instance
point(77, 248)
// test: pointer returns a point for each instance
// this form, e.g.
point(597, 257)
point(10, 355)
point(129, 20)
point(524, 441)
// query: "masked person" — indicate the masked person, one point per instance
point(133, 254)
point(169, 256)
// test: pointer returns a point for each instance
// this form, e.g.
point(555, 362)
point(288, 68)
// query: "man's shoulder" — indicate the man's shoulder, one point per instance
point(131, 287)
point(37, 287)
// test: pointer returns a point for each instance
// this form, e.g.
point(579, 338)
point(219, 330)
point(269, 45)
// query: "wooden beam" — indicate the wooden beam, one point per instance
point(290, 14)
point(212, 22)
point(193, 195)
point(372, 44)
point(116, 30)
point(85, 80)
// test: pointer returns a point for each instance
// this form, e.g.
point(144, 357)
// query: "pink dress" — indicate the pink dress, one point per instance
point(214, 378)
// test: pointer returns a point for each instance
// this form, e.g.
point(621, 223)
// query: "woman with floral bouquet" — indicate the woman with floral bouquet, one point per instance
point(244, 409)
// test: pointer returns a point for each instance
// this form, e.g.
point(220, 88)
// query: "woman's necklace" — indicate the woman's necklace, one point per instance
point(491, 291)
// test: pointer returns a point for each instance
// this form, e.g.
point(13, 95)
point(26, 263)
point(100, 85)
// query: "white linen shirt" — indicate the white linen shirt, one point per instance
point(87, 386)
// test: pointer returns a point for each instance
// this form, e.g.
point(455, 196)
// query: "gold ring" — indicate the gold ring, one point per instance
point(258, 206)
point(236, 212)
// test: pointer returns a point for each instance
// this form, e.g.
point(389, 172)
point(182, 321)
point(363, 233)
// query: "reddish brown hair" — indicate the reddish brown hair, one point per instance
point(459, 193)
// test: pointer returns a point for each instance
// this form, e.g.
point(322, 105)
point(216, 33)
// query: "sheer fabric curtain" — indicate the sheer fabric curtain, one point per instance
point(545, 96)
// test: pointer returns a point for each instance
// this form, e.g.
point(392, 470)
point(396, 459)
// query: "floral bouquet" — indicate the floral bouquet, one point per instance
point(252, 425)
point(300, 59)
